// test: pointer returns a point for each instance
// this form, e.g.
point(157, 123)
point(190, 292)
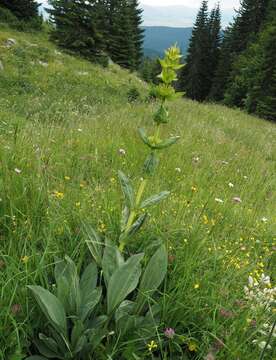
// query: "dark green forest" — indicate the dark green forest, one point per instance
point(238, 68)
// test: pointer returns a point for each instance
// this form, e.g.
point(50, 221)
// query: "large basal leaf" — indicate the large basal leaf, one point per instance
point(127, 189)
point(68, 288)
point(49, 342)
point(90, 302)
point(123, 282)
point(112, 259)
point(94, 243)
point(153, 275)
point(74, 295)
point(46, 351)
point(88, 281)
point(129, 323)
point(125, 308)
point(77, 332)
point(51, 307)
point(154, 199)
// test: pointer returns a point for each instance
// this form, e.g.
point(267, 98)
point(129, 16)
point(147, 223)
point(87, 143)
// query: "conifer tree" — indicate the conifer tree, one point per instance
point(237, 37)
point(137, 32)
point(125, 35)
point(203, 53)
point(215, 42)
point(266, 82)
point(194, 78)
point(26, 12)
point(77, 24)
point(121, 48)
point(22, 9)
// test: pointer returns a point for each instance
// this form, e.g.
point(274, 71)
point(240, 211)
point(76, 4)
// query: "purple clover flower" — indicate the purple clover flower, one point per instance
point(169, 333)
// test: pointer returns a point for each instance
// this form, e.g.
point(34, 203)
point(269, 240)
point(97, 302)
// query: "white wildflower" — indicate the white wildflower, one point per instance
point(122, 152)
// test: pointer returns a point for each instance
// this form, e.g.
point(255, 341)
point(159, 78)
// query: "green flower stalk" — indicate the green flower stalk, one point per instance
point(132, 217)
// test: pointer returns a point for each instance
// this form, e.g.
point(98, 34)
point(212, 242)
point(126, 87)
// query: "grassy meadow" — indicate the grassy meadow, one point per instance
point(62, 123)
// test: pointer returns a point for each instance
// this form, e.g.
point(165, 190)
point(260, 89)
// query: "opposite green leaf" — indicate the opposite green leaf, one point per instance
point(127, 189)
point(154, 199)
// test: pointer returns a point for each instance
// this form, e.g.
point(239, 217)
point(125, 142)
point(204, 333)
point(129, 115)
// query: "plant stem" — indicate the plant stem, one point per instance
point(140, 191)
point(133, 212)
point(268, 341)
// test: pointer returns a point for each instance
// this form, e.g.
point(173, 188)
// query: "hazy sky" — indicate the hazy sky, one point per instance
point(226, 4)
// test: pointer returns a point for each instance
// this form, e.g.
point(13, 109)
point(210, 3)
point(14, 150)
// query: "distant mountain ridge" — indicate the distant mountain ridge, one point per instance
point(159, 38)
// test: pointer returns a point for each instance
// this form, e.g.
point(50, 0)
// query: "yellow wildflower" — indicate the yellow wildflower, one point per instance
point(194, 189)
point(25, 259)
point(196, 286)
point(152, 345)
point(78, 204)
point(205, 219)
point(59, 195)
point(192, 346)
point(67, 178)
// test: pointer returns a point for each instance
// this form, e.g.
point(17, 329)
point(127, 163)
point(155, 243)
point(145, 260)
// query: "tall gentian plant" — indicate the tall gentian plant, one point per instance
point(87, 315)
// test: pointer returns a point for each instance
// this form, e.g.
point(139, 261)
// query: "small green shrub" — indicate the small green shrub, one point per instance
point(133, 95)
point(7, 18)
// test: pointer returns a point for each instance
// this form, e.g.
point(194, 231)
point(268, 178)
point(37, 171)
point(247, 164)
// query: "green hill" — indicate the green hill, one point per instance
point(62, 123)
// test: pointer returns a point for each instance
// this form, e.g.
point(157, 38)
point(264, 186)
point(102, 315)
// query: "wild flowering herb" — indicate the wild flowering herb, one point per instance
point(115, 298)
point(261, 296)
point(133, 215)
point(152, 346)
point(169, 333)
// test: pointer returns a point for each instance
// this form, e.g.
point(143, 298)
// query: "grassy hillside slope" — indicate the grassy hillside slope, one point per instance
point(62, 122)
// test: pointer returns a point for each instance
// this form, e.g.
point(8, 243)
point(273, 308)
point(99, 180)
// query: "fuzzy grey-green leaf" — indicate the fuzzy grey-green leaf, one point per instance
point(94, 243)
point(124, 280)
point(51, 307)
point(153, 275)
point(127, 189)
point(154, 199)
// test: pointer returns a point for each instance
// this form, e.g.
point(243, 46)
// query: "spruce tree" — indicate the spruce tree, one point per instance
point(22, 9)
point(266, 94)
point(194, 78)
point(77, 25)
point(137, 34)
point(238, 36)
point(215, 43)
point(125, 35)
point(121, 47)
point(26, 11)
